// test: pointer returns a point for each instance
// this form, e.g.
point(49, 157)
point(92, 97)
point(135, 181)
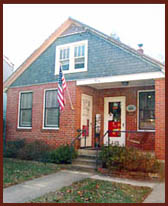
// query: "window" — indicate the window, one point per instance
point(25, 113)
point(64, 58)
point(146, 110)
point(73, 57)
point(51, 111)
point(79, 55)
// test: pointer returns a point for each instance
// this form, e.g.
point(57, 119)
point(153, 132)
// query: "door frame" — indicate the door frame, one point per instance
point(123, 118)
point(90, 125)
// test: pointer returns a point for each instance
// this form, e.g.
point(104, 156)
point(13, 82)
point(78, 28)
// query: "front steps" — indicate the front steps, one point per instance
point(86, 160)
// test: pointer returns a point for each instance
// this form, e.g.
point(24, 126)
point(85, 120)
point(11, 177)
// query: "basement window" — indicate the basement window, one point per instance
point(146, 110)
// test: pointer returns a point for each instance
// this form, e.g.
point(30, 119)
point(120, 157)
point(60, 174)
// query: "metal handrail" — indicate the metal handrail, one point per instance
point(78, 138)
point(97, 149)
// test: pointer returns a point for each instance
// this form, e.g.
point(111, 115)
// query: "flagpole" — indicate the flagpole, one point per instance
point(68, 92)
point(69, 98)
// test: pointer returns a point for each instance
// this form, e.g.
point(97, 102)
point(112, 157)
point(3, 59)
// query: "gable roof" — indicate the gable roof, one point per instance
point(61, 31)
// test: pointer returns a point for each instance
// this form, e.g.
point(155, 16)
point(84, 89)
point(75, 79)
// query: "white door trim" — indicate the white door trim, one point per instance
point(123, 118)
point(89, 138)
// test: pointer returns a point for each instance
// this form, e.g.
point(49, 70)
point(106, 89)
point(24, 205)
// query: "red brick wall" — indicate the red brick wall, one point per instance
point(70, 120)
point(55, 137)
point(160, 118)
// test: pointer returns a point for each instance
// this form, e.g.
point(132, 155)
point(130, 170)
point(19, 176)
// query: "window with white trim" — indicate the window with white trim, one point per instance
point(51, 109)
point(64, 58)
point(72, 57)
point(146, 110)
point(79, 57)
point(25, 112)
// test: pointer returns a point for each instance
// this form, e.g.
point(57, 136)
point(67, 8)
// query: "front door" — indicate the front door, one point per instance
point(114, 120)
point(86, 119)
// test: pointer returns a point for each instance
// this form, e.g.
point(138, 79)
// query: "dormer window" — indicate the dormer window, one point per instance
point(72, 57)
point(79, 55)
point(64, 58)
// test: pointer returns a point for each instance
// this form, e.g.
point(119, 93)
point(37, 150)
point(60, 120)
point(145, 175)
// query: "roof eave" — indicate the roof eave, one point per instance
point(37, 53)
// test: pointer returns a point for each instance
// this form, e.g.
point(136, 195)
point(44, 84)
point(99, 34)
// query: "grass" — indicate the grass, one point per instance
point(17, 171)
point(96, 191)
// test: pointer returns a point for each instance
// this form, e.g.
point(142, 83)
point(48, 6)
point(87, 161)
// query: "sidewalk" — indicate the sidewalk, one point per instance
point(157, 195)
point(35, 188)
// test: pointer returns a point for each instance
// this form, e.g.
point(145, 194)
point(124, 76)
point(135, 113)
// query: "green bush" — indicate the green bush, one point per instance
point(62, 155)
point(36, 150)
point(39, 151)
point(120, 158)
point(12, 148)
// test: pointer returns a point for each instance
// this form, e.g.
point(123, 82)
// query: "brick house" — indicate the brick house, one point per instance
point(117, 86)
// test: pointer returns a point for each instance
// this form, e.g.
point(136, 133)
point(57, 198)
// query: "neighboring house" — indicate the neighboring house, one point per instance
point(8, 68)
point(107, 79)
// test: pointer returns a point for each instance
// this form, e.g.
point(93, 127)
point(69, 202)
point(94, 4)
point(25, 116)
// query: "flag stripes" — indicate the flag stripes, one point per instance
point(61, 89)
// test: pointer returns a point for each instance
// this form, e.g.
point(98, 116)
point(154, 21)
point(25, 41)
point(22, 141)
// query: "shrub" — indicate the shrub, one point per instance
point(139, 161)
point(116, 157)
point(113, 156)
point(61, 155)
point(36, 150)
point(12, 148)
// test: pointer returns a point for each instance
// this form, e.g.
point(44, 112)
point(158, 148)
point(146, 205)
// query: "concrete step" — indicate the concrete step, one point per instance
point(87, 152)
point(91, 157)
point(86, 168)
point(85, 161)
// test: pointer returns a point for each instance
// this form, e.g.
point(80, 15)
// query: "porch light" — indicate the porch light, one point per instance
point(125, 83)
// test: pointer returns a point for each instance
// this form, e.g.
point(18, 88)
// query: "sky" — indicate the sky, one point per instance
point(26, 26)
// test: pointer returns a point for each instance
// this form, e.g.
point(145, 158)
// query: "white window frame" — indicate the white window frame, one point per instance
point(22, 92)
point(71, 57)
point(43, 127)
point(142, 130)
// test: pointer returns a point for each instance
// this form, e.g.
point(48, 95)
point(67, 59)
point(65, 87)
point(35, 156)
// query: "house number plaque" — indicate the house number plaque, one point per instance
point(131, 108)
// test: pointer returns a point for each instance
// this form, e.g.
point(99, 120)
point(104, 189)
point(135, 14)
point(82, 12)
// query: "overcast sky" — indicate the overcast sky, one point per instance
point(26, 26)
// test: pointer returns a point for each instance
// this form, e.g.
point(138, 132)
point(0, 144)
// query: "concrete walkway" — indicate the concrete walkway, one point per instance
point(157, 195)
point(35, 188)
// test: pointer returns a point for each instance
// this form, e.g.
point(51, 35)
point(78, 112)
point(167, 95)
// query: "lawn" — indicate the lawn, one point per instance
point(17, 171)
point(96, 191)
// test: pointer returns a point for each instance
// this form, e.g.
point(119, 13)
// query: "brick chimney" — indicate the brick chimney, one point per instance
point(140, 50)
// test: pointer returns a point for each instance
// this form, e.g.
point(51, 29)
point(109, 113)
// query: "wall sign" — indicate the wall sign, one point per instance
point(131, 108)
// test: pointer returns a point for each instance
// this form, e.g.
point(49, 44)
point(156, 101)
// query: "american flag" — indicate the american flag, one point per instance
point(61, 89)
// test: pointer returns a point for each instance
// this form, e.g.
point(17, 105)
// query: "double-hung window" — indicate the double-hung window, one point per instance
point(73, 57)
point(79, 57)
point(146, 110)
point(64, 58)
point(51, 109)
point(25, 112)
